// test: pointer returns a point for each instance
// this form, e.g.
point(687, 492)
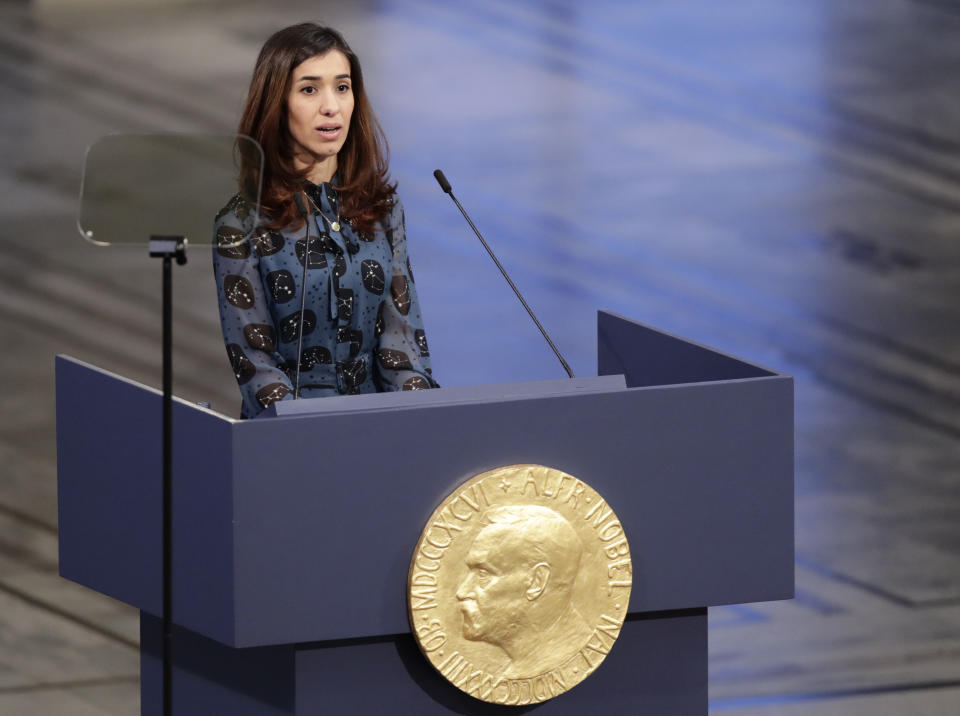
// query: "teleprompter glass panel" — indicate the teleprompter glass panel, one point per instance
point(140, 185)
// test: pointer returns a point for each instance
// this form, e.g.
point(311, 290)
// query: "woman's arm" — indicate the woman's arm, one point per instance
point(402, 357)
point(248, 328)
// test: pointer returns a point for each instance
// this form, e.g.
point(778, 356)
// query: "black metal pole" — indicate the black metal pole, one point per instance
point(168, 248)
point(167, 484)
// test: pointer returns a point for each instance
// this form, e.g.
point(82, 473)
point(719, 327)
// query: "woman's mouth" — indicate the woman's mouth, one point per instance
point(329, 131)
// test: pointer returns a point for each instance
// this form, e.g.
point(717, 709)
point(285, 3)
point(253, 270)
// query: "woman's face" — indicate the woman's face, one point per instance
point(319, 108)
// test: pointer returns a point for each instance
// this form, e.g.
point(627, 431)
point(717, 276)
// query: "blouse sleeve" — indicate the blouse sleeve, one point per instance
point(248, 328)
point(403, 359)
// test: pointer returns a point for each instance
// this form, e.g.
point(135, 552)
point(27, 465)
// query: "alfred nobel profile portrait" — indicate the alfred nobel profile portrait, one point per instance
point(518, 591)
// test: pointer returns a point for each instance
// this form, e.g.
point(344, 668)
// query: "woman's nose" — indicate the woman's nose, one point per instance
point(328, 104)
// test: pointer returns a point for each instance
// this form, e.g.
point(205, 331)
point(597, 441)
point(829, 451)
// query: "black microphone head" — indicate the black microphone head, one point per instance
point(442, 181)
point(301, 204)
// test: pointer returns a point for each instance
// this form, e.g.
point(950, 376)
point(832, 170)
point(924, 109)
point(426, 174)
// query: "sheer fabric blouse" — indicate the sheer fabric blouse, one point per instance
point(362, 328)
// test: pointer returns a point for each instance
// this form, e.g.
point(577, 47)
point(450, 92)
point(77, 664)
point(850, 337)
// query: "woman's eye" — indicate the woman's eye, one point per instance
point(308, 90)
point(344, 88)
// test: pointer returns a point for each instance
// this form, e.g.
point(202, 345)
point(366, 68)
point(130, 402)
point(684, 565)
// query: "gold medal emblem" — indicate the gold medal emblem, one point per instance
point(519, 584)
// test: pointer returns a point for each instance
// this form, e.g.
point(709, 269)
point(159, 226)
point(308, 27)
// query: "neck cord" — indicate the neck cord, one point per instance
point(334, 225)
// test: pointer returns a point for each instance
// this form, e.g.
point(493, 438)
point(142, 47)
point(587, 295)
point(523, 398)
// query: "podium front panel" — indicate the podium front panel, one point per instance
point(327, 511)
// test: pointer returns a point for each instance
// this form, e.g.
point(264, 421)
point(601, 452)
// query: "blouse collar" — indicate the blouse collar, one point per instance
point(324, 195)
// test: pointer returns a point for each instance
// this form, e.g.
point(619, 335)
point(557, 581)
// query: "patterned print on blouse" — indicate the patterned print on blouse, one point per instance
point(394, 360)
point(281, 286)
point(318, 259)
point(400, 292)
point(260, 336)
point(238, 291)
point(267, 242)
point(243, 369)
point(362, 326)
point(315, 355)
point(290, 326)
point(372, 274)
point(421, 338)
point(231, 243)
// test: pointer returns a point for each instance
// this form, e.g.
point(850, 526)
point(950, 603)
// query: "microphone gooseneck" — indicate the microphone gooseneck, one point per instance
point(445, 185)
point(305, 213)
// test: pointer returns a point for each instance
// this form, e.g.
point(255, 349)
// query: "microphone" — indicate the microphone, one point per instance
point(305, 213)
point(300, 204)
point(442, 180)
point(445, 185)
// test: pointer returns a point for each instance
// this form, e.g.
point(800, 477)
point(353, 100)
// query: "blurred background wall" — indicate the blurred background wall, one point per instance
point(776, 179)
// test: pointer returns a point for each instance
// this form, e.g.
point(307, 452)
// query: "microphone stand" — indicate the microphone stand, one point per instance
point(445, 185)
point(168, 248)
point(307, 216)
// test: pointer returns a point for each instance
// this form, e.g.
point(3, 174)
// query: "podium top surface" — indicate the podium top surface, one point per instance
point(457, 395)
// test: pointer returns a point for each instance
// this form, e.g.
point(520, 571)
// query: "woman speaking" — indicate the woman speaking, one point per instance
point(318, 297)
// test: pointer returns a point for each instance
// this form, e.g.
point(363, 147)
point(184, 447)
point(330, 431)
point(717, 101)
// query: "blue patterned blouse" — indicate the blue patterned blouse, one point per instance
point(362, 328)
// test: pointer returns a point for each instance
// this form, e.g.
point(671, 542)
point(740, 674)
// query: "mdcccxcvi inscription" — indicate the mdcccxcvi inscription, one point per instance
point(519, 584)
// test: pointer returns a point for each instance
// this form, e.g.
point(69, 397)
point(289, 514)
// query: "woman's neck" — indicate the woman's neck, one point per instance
point(321, 170)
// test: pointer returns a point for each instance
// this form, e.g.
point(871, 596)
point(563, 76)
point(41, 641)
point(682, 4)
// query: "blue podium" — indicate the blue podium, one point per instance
point(290, 562)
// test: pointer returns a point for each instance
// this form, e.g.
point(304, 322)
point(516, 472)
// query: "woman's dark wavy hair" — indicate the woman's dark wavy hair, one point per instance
point(362, 164)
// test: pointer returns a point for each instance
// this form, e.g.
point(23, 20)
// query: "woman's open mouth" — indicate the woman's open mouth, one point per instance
point(329, 131)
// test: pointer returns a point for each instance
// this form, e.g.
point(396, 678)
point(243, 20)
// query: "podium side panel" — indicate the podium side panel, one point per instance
point(646, 356)
point(658, 666)
point(329, 510)
point(109, 494)
point(108, 484)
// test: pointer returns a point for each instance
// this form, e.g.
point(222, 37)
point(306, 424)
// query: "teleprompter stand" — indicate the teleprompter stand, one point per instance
point(290, 573)
point(167, 248)
point(161, 188)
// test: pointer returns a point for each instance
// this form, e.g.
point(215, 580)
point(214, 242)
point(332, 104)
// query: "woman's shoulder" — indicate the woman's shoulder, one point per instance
point(394, 217)
point(238, 208)
point(233, 227)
